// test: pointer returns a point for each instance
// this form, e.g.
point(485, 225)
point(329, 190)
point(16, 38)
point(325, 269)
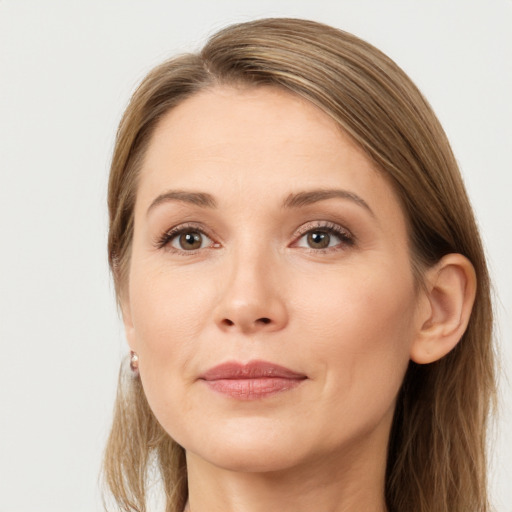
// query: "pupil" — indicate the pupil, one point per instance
point(190, 241)
point(318, 239)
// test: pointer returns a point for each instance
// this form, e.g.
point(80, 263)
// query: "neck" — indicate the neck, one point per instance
point(352, 481)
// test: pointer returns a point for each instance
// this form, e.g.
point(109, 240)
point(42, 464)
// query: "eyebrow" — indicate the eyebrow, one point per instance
point(296, 200)
point(314, 196)
point(196, 198)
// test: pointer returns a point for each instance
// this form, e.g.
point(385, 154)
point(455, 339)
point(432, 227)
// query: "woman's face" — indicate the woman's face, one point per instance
point(270, 299)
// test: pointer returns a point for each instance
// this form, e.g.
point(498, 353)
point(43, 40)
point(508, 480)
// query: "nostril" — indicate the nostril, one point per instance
point(260, 321)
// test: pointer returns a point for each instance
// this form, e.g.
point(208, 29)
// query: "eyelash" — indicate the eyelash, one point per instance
point(346, 238)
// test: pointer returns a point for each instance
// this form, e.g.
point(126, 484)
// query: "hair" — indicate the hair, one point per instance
point(437, 446)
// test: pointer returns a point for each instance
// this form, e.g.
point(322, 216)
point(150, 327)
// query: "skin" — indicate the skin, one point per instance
point(347, 317)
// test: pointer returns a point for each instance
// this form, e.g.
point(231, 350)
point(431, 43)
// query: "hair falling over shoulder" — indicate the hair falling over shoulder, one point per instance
point(135, 439)
point(437, 449)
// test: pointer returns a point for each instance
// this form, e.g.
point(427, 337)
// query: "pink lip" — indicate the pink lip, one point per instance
point(251, 381)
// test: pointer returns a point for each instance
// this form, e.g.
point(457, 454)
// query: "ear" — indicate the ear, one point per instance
point(450, 292)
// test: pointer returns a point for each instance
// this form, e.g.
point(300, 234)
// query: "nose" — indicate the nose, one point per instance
point(252, 299)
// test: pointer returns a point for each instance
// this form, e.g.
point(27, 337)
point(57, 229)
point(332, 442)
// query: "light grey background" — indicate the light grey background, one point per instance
point(67, 69)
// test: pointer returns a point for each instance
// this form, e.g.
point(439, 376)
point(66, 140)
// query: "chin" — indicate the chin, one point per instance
point(250, 450)
point(250, 459)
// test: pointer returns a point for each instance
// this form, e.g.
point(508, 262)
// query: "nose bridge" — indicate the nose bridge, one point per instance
point(252, 298)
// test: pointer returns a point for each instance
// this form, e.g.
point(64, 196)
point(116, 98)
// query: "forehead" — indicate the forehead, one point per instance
point(260, 142)
point(230, 123)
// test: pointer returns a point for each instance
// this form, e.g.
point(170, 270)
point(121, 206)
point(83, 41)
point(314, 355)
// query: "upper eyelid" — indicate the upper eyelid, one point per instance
point(304, 228)
point(312, 225)
point(188, 226)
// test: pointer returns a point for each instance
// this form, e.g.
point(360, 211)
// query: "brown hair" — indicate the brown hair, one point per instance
point(437, 447)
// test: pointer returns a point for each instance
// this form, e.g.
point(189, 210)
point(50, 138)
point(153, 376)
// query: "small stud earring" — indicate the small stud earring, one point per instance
point(134, 362)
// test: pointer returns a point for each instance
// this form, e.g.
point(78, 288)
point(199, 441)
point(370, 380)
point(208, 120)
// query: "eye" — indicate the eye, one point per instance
point(189, 240)
point(325, 236)
point(185, 239)
point(320, 239)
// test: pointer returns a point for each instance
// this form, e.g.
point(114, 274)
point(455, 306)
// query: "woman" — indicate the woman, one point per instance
point(302, 284)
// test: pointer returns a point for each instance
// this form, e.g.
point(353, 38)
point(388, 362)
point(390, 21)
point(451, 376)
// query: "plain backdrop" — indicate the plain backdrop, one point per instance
point(67, 69)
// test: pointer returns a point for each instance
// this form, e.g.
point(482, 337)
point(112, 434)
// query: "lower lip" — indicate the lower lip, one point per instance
point(252, 389)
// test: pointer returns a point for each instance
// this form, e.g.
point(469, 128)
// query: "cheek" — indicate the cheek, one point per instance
point(358, 331)
point(362, 325)
point(359, 305)
point(168, 314)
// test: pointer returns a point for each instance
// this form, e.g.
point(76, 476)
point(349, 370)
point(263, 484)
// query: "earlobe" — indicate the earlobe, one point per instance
point(450, 290)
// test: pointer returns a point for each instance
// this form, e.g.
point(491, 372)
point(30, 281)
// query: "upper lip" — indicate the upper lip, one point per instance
point(250, 370)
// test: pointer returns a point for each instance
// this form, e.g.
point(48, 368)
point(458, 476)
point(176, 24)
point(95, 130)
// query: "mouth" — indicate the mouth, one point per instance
point(251, 381)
